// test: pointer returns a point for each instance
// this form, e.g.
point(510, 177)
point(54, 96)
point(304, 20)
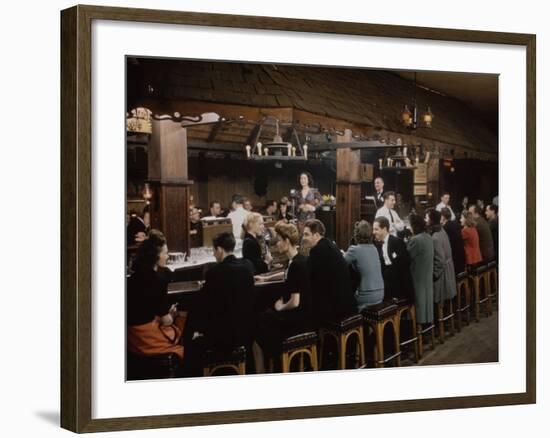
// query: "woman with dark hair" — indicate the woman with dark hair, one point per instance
point(470, 237)
point(253, 228)
point(307, 198)
point(154, 324)
point(363, 258)
point(282, 212)
point(291, 313)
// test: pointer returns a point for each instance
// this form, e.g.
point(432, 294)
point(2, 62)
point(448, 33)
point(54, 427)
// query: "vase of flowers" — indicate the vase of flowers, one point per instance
point(329, 202)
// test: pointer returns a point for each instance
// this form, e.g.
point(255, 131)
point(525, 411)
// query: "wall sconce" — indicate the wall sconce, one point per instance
point(147, 194)
point(428, 117)
point(407, 116)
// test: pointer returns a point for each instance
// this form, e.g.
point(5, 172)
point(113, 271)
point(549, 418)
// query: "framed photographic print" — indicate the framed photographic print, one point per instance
point(268, 218)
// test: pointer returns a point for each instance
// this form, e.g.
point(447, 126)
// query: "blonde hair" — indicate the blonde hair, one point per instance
point(288, 231)
point(249, 220)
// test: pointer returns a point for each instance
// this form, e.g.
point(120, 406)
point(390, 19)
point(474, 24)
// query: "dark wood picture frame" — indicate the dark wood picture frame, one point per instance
point(76, 226)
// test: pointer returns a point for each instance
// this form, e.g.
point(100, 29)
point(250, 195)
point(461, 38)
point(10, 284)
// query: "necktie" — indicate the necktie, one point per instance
point(391, 215)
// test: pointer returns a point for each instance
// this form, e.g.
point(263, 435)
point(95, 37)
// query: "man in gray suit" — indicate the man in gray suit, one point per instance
point(444, 270)
point(421, 250)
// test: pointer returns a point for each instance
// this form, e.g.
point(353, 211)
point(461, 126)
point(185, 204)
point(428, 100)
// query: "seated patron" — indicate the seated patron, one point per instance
point(253, 230)
point(283, 212)
point(291, 313)
point(195, 227)
point(223, 316)
point(331, 290)
point(491, 212)
point(247, 205)
point(421, 250)
point(214, 211)
point(363, 258)
point(472, 253)
point(154, 324)
point(395, 262)
point(486, 244)
point(270, 208)
point(444, 277)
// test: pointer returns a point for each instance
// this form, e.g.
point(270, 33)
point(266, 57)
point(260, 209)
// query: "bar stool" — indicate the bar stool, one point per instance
point(377, 317)
point(301, 344)
point(443, 317)
point(463, 298)
point(479, 280)
point(156, 366)
point(492, 283)
point(404, 308)
point(341, 331)
point(234, 360)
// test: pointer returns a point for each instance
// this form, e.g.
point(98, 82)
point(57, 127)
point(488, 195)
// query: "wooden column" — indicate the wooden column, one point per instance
point(348, 194)
point(167, 173)
point(348, 211)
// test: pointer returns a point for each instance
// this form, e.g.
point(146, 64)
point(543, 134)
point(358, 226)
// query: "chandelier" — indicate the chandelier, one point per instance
point(409, 117)
point(277, 150)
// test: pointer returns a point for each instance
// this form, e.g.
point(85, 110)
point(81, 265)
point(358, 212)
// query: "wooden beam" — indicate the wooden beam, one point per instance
point(307, 122)
point(215, 129)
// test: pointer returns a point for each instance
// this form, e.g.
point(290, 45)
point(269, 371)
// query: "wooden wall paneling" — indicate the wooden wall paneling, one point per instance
point(433, 181)
point(348, 211)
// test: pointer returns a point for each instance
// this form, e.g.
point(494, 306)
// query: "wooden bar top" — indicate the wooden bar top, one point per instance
point(180, 287)
point(189, 287)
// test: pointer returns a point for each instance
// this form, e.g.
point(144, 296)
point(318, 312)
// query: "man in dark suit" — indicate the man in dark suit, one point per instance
point(224, 314)
point(395, 261)
point(138, 227)
point(379, 192)
point(491, 212)
point(452, 228)
point(332, 293)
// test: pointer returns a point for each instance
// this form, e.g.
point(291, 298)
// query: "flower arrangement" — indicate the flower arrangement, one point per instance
point(328, 201)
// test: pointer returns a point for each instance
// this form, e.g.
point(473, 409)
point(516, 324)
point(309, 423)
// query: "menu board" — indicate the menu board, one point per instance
point(420, 189)
point(421, 174)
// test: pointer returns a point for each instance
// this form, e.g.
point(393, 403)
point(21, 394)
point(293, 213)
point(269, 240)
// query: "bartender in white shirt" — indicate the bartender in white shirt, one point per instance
point(238, 215)
point(387, 211)
point(445, 198)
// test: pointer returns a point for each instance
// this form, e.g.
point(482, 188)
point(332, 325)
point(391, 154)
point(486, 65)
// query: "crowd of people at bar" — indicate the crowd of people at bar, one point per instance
point(415, 259)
